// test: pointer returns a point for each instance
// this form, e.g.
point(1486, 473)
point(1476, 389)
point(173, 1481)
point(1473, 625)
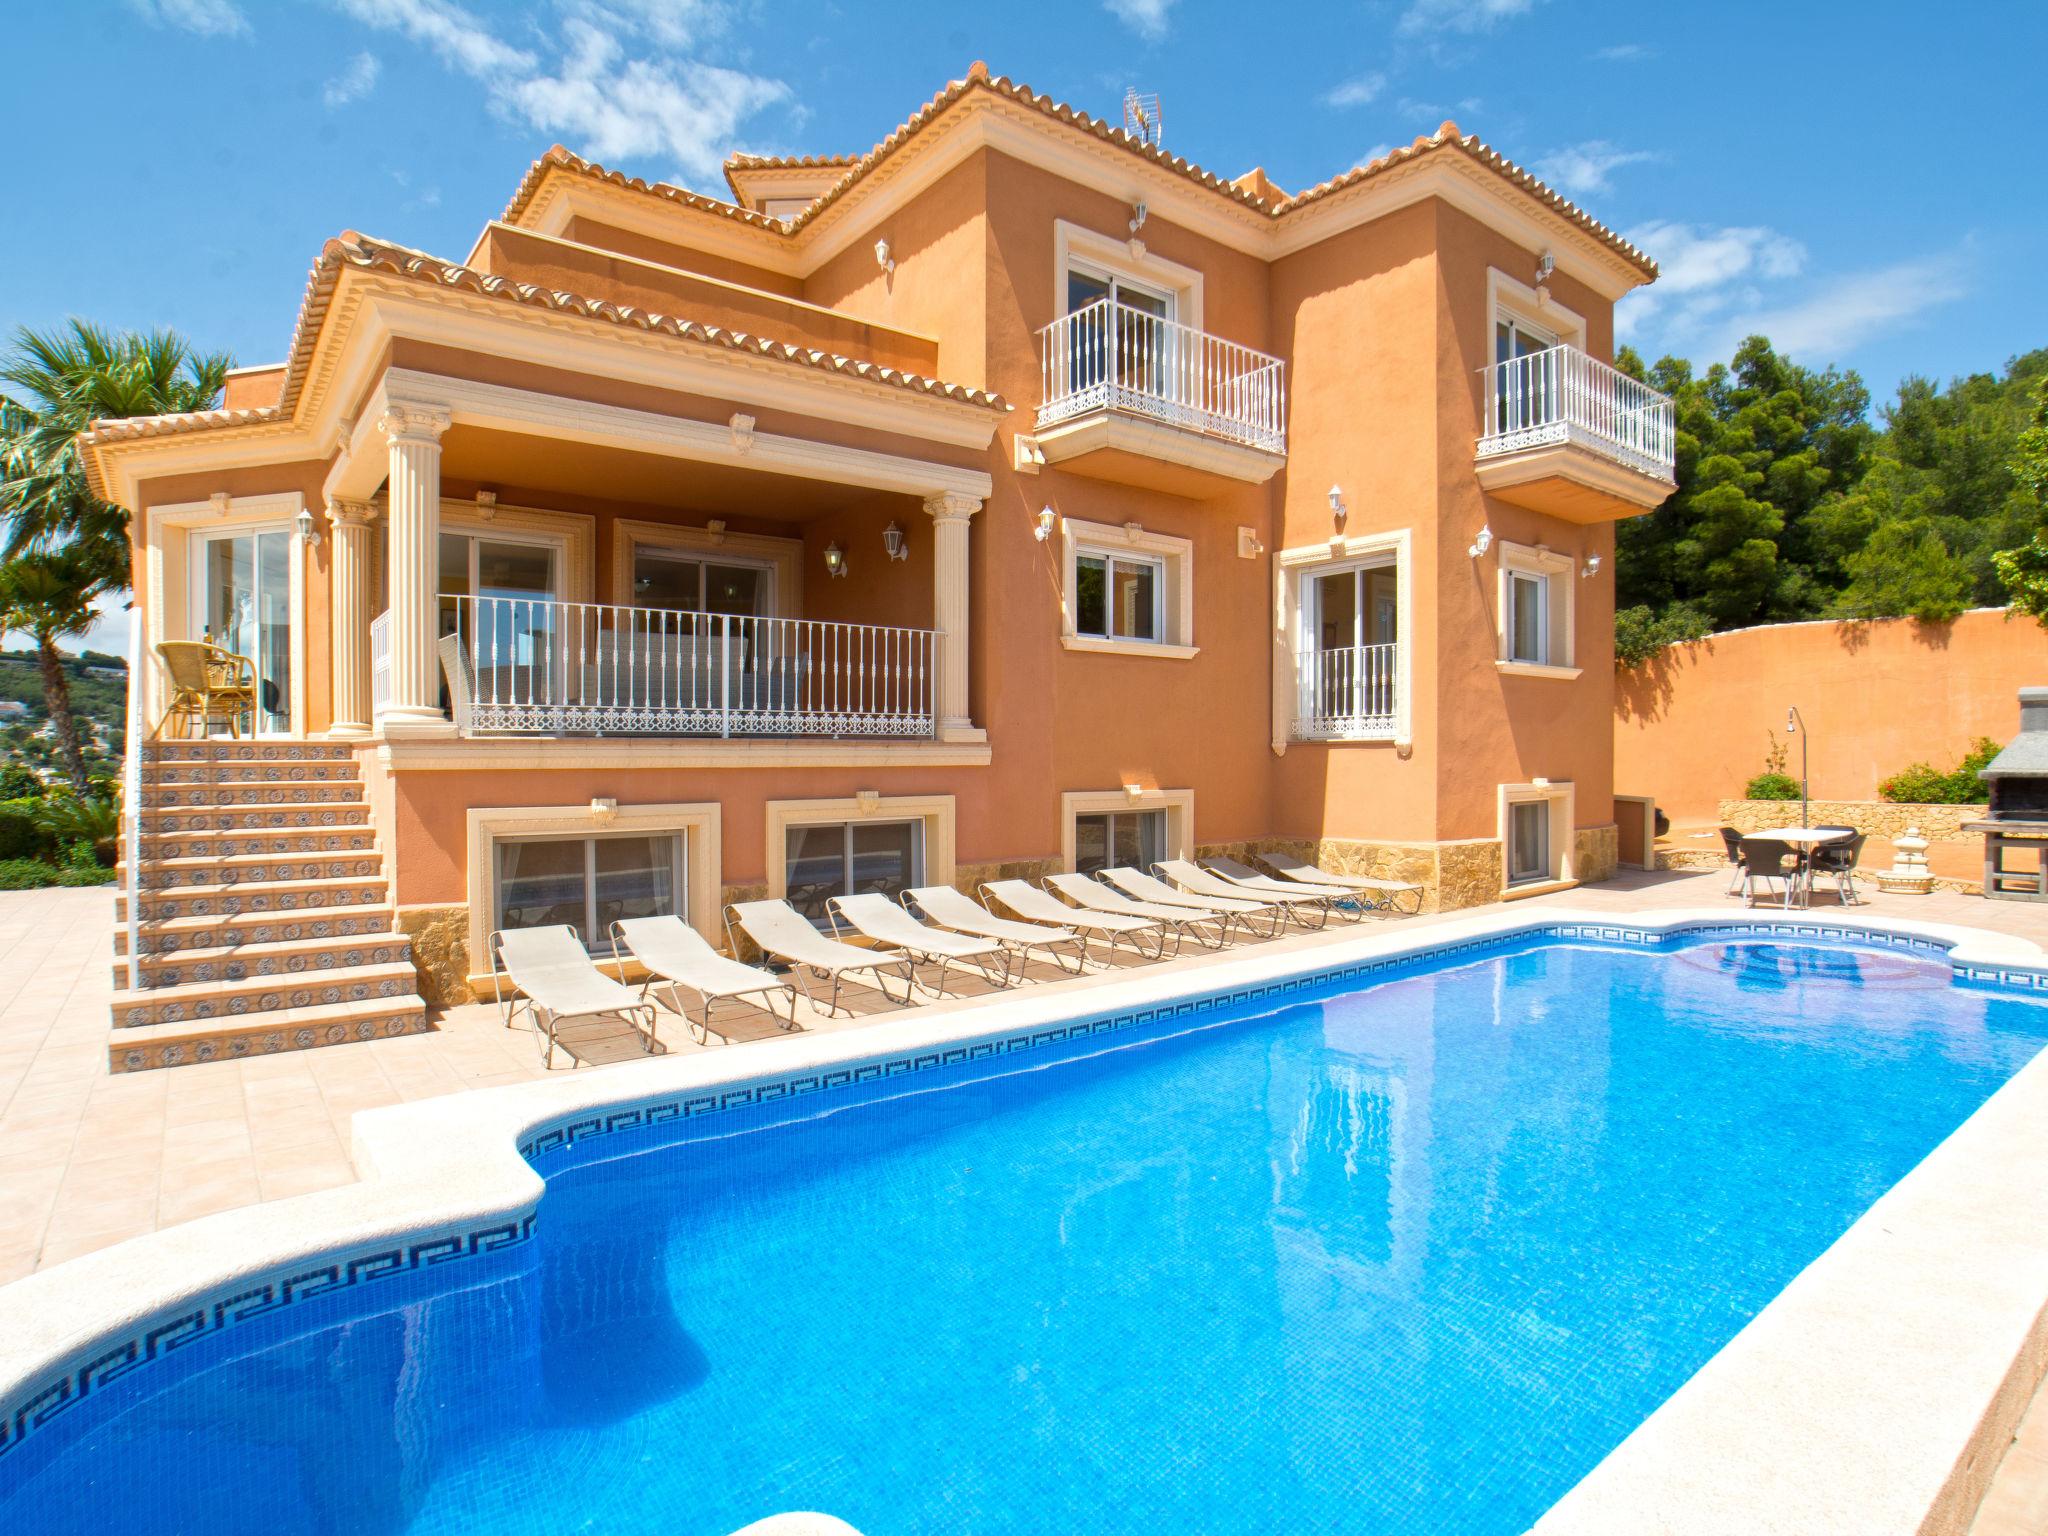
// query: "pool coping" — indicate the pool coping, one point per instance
point(1874, 1394)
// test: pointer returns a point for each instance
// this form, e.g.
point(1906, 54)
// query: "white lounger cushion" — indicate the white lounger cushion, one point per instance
point(551, 967)
point(880, 918)
point(1294, 869)
point(1093, 893)
point(1252, 880)
point(1203, 883)
point(1022, 897)
point(1144, 887)
point(951, 909)
point(674, 951)
point(784, 932)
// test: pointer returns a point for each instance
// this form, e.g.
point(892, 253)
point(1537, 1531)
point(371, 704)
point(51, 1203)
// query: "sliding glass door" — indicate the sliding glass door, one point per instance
point(244, 597)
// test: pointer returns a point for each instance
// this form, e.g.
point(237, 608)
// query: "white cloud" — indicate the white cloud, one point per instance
point(1624, 53)
point(1583, 168)
point(208, 18)
point(355, 81)
point(618, 86)
point(1357, 91)
point(1377, 152)
point(1426, 16)
point(1845, 311)
point(1690, 257)
point(1147, 18)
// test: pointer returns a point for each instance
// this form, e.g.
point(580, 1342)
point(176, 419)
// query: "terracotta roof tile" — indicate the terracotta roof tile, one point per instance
point(350, 249)
point(1245, 192)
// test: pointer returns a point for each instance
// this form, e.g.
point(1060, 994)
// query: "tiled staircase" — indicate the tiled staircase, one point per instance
point(265, 918)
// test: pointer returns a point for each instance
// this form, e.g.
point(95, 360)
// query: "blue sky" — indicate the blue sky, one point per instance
point(1845, 177)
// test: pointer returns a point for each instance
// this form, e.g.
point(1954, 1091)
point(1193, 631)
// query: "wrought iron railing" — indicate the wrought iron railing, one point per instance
point(535, 666)
point(1109, 356)
point(1561, 395)
point(1351, 693)
point(380, 662)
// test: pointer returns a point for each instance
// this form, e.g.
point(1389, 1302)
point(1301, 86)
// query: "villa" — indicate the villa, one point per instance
point(1014, 497)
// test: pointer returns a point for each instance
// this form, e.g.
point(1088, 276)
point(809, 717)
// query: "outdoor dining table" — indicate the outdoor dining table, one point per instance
point(1806, 839)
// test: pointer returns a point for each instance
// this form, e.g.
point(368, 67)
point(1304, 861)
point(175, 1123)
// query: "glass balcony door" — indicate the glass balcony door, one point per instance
point(514, 634)
point(1129, 333)
point(244, 597)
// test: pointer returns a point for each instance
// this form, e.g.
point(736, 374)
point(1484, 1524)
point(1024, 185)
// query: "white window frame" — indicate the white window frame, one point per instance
point(697, 821)
point(1559, 796)
point(1296, 567)
point(703, 560)
point(1174, 592)
point(1179, 805)
point(485, 533)
point(1557, 571)
point(1126, 261)
point(597, 943)
point(1112, 561)
point(1507, 298)
point(784, 557)
point(935, 840)
point(197, 539)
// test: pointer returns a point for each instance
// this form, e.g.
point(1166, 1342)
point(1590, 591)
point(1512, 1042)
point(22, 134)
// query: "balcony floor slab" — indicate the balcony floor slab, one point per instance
point(1130, 449)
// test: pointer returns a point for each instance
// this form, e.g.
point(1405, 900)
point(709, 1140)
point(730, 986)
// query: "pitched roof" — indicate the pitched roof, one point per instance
point(363, 253)
point(1257, 196)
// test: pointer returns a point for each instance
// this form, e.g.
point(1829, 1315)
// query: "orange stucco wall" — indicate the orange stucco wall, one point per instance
point(1690, 727)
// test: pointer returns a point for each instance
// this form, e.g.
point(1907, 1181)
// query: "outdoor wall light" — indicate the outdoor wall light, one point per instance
point(1592, 566)
point(1545, 265)
point(1046, 518)
point(309, 529)
point(1482, 543)
point(1337, 507)
point(894, 541)
point(1138, 211)
point(835, 560)
point(882, 257)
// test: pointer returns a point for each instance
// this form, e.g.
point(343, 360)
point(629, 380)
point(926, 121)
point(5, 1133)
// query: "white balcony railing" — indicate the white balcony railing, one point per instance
point(1347, 694)
point(380, 662)
point(539, 667)
point(1110, 356)
point(1561, 395)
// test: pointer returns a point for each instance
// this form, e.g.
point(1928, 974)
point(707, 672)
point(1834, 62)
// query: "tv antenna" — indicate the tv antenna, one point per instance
point(1141, 116)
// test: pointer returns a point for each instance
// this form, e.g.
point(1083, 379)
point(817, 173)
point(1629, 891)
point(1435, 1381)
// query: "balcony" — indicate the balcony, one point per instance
point(1347, 694)
point(517, 666)
point(1570, 436)
point(1140, 400)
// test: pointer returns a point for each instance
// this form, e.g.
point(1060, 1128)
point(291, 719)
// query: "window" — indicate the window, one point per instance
point(826, 859)
point(1118, 597)
point(1126, 589)
point(1528, 841)
point(1537, 589)
point(1133, 839)
point(1348, 670)
point(665, 580)
point(1525, 386)
point(588, 882)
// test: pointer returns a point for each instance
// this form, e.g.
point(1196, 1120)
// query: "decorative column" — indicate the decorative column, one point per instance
point(349, 599)
point(413, 494)
point(951, 512)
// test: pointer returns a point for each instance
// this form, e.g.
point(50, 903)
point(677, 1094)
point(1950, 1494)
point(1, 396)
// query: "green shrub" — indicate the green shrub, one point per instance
point(34, 875)
point(1772, 786)
point(96, 822)
point(18, 781)
point(22, 834)
point(1924, 784)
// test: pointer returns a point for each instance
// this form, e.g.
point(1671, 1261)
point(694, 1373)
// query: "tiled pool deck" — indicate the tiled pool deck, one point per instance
point(91, 1158)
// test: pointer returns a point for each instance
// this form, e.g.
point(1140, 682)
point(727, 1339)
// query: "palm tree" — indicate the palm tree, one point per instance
point(47, 596)
point(57, 384)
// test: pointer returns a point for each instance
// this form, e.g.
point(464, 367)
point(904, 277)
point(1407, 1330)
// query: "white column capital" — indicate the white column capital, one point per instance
point(407, 421)
point(350, 514)
point(951, 506)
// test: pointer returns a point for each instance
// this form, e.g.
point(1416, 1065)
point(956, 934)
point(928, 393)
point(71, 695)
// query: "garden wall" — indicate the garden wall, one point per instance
point(1690, 724)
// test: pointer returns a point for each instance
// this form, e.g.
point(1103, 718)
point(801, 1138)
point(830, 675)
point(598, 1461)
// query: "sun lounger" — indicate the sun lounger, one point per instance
point(1206, 885)
point(1183, 919)
point(1387, 894)
point(953, 909)
point(559, 980)
point(1028, 901)
point(678, 956)
point(1330, 898)
point(877, 917)
point(1139, 886)
point(782, 931)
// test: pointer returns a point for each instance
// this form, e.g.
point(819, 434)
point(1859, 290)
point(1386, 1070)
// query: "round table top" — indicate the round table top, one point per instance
point(1800, 835)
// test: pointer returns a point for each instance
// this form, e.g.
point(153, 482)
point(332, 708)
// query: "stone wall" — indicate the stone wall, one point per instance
point(1596, 853)
point(440, 949)
point(1880, 818)
point(1452, 875)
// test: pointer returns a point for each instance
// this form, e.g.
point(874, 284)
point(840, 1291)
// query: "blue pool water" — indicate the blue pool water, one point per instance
point(1407, 1259)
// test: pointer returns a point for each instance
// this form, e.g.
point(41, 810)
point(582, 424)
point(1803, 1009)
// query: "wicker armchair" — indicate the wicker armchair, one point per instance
point(206, 681)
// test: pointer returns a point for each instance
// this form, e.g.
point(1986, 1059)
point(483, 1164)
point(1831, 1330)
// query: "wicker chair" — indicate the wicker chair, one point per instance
point(1764, 859)
point(206, 681)
point(1837, 861)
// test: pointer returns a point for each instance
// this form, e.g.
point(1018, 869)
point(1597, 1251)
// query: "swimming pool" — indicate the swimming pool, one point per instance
point(1407, 1256)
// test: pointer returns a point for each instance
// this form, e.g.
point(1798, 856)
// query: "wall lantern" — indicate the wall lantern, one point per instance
point(1046, 518)
point(1592, 566)
point(1482, 543)
point(894, 541)
point(1337, 507)
point(882, 257)
point(309, 528)
point(835, 560)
